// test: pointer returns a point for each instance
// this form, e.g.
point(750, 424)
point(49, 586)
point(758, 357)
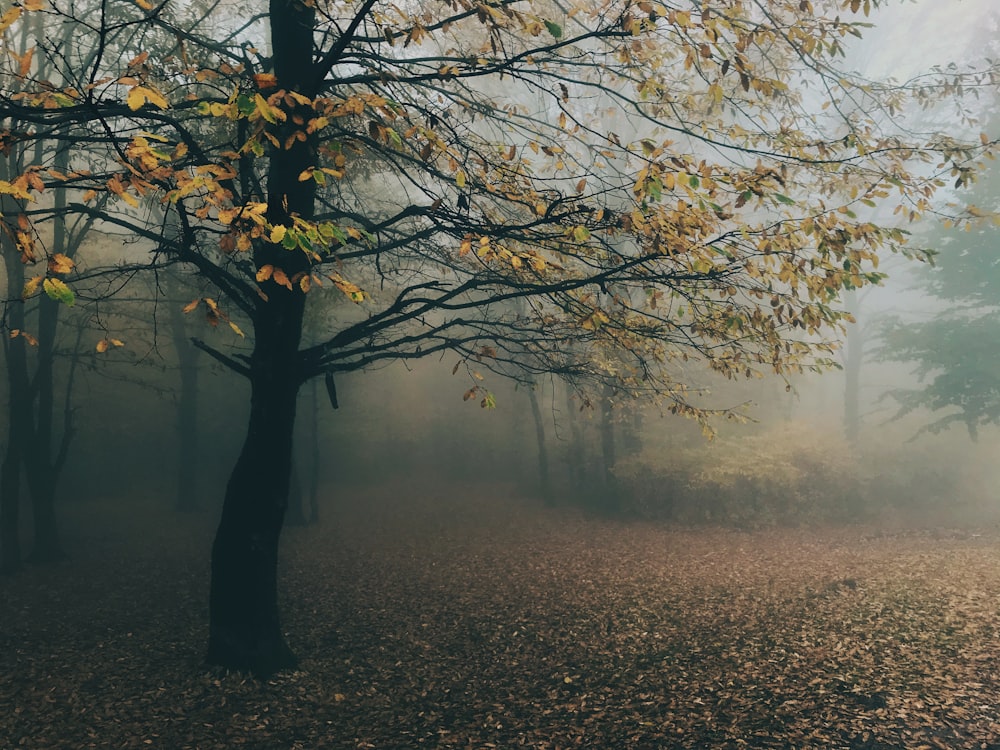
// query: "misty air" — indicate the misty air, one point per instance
point(500, 374)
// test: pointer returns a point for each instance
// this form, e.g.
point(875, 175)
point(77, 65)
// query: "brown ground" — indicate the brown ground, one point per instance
point(468, 620)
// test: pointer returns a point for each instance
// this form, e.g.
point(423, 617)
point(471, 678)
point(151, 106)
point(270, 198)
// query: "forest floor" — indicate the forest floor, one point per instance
point(468, 620)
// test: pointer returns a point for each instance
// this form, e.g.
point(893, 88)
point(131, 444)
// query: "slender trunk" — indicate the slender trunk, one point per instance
point(19, 426)
point(544, 484)
point(853, 358)
point(39, 462)
point(10, 505)
point(41, 465)
point(609, 500)
point(188, 450)
point(296, 514)
point(244, 630)
point(314, 463)
point(577, 452)
point(10, 479)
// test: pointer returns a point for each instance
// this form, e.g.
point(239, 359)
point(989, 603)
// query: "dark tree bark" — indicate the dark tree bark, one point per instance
point(245, 632)
point(18, 394)
point(42, 465)
point(544, 483)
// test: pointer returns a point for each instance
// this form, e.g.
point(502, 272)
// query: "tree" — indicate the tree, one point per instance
point(646, 181)
point(956, 353)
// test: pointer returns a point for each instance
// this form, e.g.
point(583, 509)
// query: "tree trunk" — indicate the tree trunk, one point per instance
point(188, 451)
point(577, 450)
point(244, 631)
point(609, 501)
point(18, 394)
point(315, 457)
point(853, 359)
point(41, 469)
point(544, 484)
point(43, 462)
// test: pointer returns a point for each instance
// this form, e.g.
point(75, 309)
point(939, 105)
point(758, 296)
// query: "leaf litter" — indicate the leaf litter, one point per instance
point(468, 619)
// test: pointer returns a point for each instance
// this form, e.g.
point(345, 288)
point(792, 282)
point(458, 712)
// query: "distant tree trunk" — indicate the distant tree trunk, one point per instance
point(632, 433)
point(42, 468)
point(244, 629)
point(577, 451)
point(609, 502)
point(18, 384)
point(544, 483)
point(10, 480)
point(296, 513)
point(315, 454)
point(853, 359)
point(188, 449)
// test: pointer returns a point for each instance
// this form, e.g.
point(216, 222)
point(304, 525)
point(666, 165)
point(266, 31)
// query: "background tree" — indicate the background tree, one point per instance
point(956, 351)
point(647, 180)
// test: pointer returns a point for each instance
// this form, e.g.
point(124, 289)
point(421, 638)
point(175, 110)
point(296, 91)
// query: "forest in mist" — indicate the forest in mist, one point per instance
point(499, 374)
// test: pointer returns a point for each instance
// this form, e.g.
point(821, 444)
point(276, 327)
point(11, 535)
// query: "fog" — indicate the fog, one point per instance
point(503, 493)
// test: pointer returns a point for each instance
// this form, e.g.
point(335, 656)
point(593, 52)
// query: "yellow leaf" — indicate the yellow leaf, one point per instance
point(102, 345)
point(136, 98)
point(32, 4)
point(8, 18)
point(155, 97)
point(145, 4)
point(460, 179)
point(60, 263)
point(265, 272)
point(139, 95)
point(278, 233)
point(280, 277)
point(117, 342)
point(31, 286)
point(191, 305)
point(236, 328)
point(265, 80)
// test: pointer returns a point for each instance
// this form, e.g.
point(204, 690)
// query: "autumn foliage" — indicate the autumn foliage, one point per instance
point(614, 192)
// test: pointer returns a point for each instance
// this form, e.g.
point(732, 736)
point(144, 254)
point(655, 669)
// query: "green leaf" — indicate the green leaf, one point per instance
point(57, 290)
point(784, 199)
point(554, 29)
point(245, 105)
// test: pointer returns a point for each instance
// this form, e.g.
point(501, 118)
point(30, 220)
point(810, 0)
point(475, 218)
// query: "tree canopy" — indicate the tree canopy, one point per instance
point(605, 190)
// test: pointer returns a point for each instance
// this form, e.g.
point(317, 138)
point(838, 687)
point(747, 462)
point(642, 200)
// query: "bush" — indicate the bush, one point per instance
point(788, 474)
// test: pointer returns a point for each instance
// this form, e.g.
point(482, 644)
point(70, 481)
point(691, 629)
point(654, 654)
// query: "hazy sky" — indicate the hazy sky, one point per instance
point(912, 36)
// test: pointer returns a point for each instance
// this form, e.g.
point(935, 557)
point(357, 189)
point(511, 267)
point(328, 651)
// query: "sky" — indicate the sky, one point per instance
point(912, 36)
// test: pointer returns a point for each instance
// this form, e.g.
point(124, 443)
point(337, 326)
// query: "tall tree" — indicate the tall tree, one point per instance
point(956, 352)
point(645, 179)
